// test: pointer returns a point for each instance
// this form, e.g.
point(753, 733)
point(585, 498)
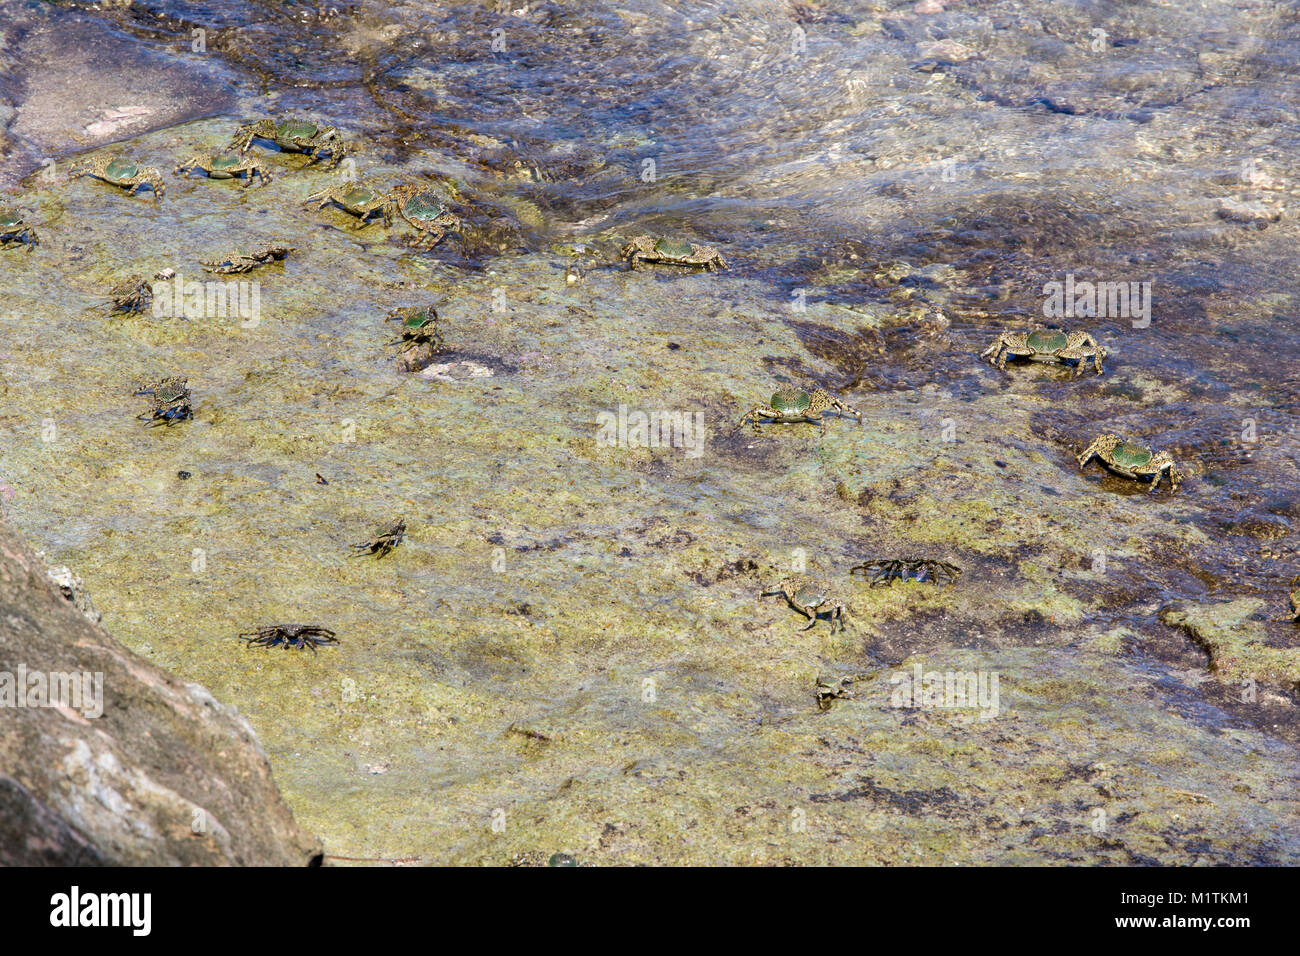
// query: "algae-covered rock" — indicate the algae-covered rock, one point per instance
point(105, 759)
point(1234, 636)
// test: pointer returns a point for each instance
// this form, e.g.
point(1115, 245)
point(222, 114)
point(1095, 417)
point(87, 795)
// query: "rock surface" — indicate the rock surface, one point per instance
point(165, 775)
point(569, 657)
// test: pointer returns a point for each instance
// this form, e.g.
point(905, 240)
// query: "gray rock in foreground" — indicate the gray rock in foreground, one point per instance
point(166, 775)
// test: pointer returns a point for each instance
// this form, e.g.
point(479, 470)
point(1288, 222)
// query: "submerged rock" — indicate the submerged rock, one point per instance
point(105, 759)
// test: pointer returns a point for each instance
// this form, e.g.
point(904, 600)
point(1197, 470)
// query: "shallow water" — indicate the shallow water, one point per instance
point(891, 187)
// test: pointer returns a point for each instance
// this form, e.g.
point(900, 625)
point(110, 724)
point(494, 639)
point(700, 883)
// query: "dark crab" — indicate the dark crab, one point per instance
point(386, 541)
point(290, 635)
point(883, 572)
point(238, 262)
point(171, 402)
point(131, 295)
point(13, 231)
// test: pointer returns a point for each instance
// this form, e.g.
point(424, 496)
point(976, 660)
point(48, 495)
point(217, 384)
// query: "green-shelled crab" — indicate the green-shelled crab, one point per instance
point(171, 402)
point(1047, 345)
point(294, 136)
point(424, 209)
point(238, 262)
point(791, 405)
point(810, 599)
point(13, 231)
point(226, 164)
point(419, 327)
point(359, 200)
point(127, 174)
point(672, 252)
point(1133, 460)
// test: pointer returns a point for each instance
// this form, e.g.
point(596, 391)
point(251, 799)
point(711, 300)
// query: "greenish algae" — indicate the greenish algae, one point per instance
point(570, 641)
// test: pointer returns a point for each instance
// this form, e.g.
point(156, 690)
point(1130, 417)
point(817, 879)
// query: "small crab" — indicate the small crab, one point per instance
point(1047, 345)
point(831, 689)
point(226, 164)
point(885, 571)
point(294, 136)
point(1295, 599)
point(359, 200)
point(14, 231)
point(130, 295)
point(127, 174)
point(387, 540)
point(419, 327)
point(427, 214)
point(239, 262)
point(1132, 460)
point(790, 405)
point(673, 252)
point(171, 402)
point(290, 635)
point(810, 599)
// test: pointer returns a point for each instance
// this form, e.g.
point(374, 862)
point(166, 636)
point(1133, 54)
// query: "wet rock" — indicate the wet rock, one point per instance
point(946, 50)
point(417, 357)
point(108, 760)
point(93, 86)
point(459, 371)
point(1251, 213)
point(1234, 635)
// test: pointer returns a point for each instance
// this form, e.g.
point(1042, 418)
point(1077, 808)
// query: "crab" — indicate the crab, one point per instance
point(1132, 460)
point(1295, 599)
point(419, 327)
point(791, 405)
point(831, 689)
point(14, 231)
point(885, 571)
point(239, 262)
point(387, 540)
point(359, 200)
point(427, 214)
point(130, 295)
point(673, 252)
point(171, 402)
point(290, 635)
point(127, 174)
point(294, 136)
point(810, 599)
point(1047, 345)
point(226, 164)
